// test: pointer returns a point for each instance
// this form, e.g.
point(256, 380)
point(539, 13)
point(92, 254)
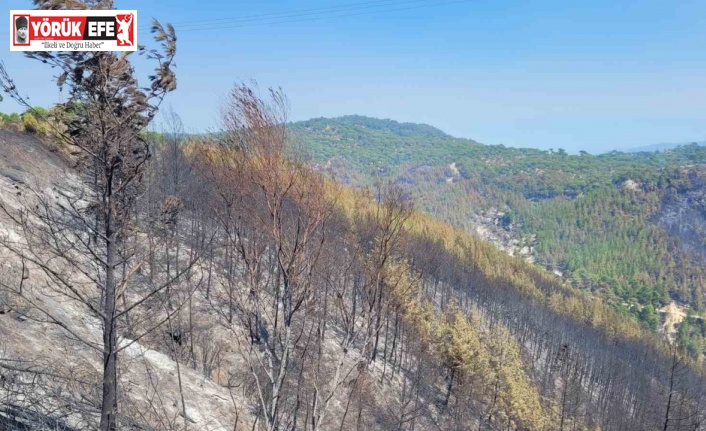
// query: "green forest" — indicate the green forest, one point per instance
point(594, 218)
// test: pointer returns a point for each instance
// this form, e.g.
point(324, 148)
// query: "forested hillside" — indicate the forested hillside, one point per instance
point(347, 274)
point(629, 227)
point(255, 293)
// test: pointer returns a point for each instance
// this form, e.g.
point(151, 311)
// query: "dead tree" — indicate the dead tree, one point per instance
point(77, 237)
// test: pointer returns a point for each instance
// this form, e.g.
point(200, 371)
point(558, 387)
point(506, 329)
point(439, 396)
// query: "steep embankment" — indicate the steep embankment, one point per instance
point(49, 359)
point(311, 304)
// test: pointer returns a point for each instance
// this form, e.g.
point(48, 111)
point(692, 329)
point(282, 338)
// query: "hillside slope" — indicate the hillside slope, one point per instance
point(379, 318)
point(49, 374)
point(605, 223)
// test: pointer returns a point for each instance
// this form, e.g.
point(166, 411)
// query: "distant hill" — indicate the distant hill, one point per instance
point(359, 121)
point(661, 147)
point(370, 143)
point(363, 145)
point(605, 223)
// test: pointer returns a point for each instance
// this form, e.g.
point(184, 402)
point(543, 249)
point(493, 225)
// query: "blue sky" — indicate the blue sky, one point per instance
point(595, 75)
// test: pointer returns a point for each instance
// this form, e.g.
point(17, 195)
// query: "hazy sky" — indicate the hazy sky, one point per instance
point(593, 75)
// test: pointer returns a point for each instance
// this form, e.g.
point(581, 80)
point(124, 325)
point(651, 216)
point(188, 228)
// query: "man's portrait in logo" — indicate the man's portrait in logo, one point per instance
point(21, 30)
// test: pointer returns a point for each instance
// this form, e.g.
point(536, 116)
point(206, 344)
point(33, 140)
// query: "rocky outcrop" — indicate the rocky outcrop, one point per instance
point(683, 211)
point(493, 226)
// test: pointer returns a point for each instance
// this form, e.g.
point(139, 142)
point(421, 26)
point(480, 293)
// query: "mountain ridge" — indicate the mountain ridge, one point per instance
point(565, 212)
point(662, 146)
point(433, 131)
